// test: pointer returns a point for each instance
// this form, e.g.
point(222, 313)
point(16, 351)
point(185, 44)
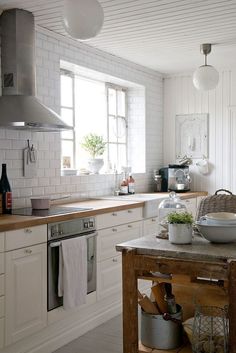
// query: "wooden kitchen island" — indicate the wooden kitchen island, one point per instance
point(144, 256)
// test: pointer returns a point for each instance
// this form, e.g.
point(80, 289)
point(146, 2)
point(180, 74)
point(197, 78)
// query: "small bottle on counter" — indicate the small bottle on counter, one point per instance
point(170, 299)
point(124, 187)
point(158, 181)
point(131, 184)
point(5, 191)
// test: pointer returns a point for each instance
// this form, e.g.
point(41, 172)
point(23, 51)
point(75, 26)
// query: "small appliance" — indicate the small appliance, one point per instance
point(164, 178)
point(178, 178)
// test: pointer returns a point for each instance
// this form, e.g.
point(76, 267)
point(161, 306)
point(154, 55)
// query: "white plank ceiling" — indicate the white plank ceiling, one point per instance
point(164, 35)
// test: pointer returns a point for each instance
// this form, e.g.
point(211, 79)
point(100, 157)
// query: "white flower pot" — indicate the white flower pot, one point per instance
point(180, 233)
point(95, 164)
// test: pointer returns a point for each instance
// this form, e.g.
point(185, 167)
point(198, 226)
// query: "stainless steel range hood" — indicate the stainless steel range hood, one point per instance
point(19, 108)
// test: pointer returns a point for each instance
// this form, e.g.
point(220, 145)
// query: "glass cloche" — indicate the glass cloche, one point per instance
point(171, 204)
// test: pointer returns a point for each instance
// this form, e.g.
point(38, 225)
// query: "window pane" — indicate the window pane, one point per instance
point(67, 154)
point(113, 155)
point(68, 134)
point(121, 103)
point(67, 116)
point(90, 108)
point(66, 91)
point(112, 101)
point(121, 156)
point(112, 129)
point(121, 130)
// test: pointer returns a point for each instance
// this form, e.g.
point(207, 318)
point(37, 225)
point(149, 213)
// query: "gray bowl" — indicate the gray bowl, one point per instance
point(217, 233)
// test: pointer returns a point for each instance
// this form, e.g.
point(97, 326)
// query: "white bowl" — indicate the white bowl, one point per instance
point(217, 233)
point(221, 216)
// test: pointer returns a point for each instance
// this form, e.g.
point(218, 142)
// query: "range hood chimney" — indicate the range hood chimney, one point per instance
point(19, 108)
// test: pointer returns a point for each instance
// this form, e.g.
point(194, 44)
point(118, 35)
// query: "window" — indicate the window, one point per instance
point(92, 106)
point(117, 126)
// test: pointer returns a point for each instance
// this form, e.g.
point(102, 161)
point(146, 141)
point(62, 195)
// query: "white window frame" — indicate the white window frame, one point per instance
point(123, 89)
point(64, 72)
point(107, 86)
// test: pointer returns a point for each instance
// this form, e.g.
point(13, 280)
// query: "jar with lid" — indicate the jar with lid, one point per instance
point(171, 204)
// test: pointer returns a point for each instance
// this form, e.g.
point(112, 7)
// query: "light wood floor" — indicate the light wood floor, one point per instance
point(106, 338)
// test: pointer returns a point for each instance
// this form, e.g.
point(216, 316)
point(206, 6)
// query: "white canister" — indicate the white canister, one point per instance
point(180, 233)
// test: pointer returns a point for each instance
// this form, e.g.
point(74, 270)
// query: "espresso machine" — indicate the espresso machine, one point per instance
point(178, 178)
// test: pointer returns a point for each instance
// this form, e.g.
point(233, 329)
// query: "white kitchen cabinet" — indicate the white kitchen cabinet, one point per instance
point(150, 226)
point(109, 268)
point(108, 238)
point(16, 239)
point(109, 277)
point(26, 292)
point(112, 219)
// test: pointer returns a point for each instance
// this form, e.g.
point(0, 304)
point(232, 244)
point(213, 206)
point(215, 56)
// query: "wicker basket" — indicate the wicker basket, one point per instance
point(217, 203)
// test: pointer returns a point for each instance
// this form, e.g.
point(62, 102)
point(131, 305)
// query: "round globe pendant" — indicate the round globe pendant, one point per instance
point(205, 78)
point(83, 19)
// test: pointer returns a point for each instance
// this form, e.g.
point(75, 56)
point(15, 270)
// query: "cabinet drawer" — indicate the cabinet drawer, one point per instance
point(1, 333)
point(150, 226)
point(2, 285)
point(2, 267)
point(120, 217)
point(20, 238)
point(2, 306)
point(2, 242)
point(109, 275)
point(108, 238)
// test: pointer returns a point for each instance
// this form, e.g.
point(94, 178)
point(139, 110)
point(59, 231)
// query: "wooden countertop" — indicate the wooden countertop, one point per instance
point(98, 206)
point(11, 222)
point(199, 250)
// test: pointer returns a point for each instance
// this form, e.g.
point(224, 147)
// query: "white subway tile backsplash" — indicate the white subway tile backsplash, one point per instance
point(49, 52)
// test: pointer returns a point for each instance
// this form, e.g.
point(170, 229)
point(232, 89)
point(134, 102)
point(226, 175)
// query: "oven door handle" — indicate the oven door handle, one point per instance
point(58, 243)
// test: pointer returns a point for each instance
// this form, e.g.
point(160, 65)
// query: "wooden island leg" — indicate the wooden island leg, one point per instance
point(232, 307)
point(130, 303)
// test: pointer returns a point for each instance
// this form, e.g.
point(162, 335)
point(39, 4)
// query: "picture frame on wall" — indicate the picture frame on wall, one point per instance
point(191, 135)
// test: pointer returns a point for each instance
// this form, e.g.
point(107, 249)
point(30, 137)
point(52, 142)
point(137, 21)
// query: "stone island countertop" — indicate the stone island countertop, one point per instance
point(200, 249)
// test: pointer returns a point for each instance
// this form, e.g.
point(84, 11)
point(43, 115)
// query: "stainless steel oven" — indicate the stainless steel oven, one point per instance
point(57, 232)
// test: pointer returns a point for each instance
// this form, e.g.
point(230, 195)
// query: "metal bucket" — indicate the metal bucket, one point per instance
point(159, 333)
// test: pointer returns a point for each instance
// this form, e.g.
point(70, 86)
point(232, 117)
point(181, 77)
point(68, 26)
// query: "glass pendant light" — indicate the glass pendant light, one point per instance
point(206, 77)
point(82, 19)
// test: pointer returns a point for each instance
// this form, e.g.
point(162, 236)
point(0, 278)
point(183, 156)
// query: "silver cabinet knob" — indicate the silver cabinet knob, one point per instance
point(114, 260)
point(114, 214)
point(28, 230)
point(28, 251)
point(114, 229)
point(129, 226)
point(130, 211)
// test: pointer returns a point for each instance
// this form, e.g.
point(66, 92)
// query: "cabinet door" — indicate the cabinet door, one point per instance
point(150, 226)
point(108, 238)
point(109, 278)
point(26, 292)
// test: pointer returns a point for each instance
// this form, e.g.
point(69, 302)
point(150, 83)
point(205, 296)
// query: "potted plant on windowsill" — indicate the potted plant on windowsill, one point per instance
point(95, 145)
point(180, 227)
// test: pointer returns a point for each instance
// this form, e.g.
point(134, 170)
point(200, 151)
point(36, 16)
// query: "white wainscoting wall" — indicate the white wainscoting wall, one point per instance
point(180, 97)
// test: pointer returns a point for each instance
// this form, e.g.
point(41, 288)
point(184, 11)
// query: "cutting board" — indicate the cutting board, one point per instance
point(29, 167)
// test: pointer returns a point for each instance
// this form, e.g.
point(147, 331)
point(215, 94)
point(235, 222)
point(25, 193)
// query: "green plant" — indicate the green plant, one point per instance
point(180, 218)
point(94, 144)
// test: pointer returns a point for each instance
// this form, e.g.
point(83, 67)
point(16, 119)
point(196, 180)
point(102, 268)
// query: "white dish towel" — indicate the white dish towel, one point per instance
point(72, 279)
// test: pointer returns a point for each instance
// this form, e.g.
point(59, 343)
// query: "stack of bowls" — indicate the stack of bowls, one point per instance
point(218, 227)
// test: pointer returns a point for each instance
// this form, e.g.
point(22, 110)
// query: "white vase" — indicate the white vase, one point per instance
point(95, 164)
point(180, 233)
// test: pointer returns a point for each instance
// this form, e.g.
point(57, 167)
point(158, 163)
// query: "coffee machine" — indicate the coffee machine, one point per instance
point(178, 178)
